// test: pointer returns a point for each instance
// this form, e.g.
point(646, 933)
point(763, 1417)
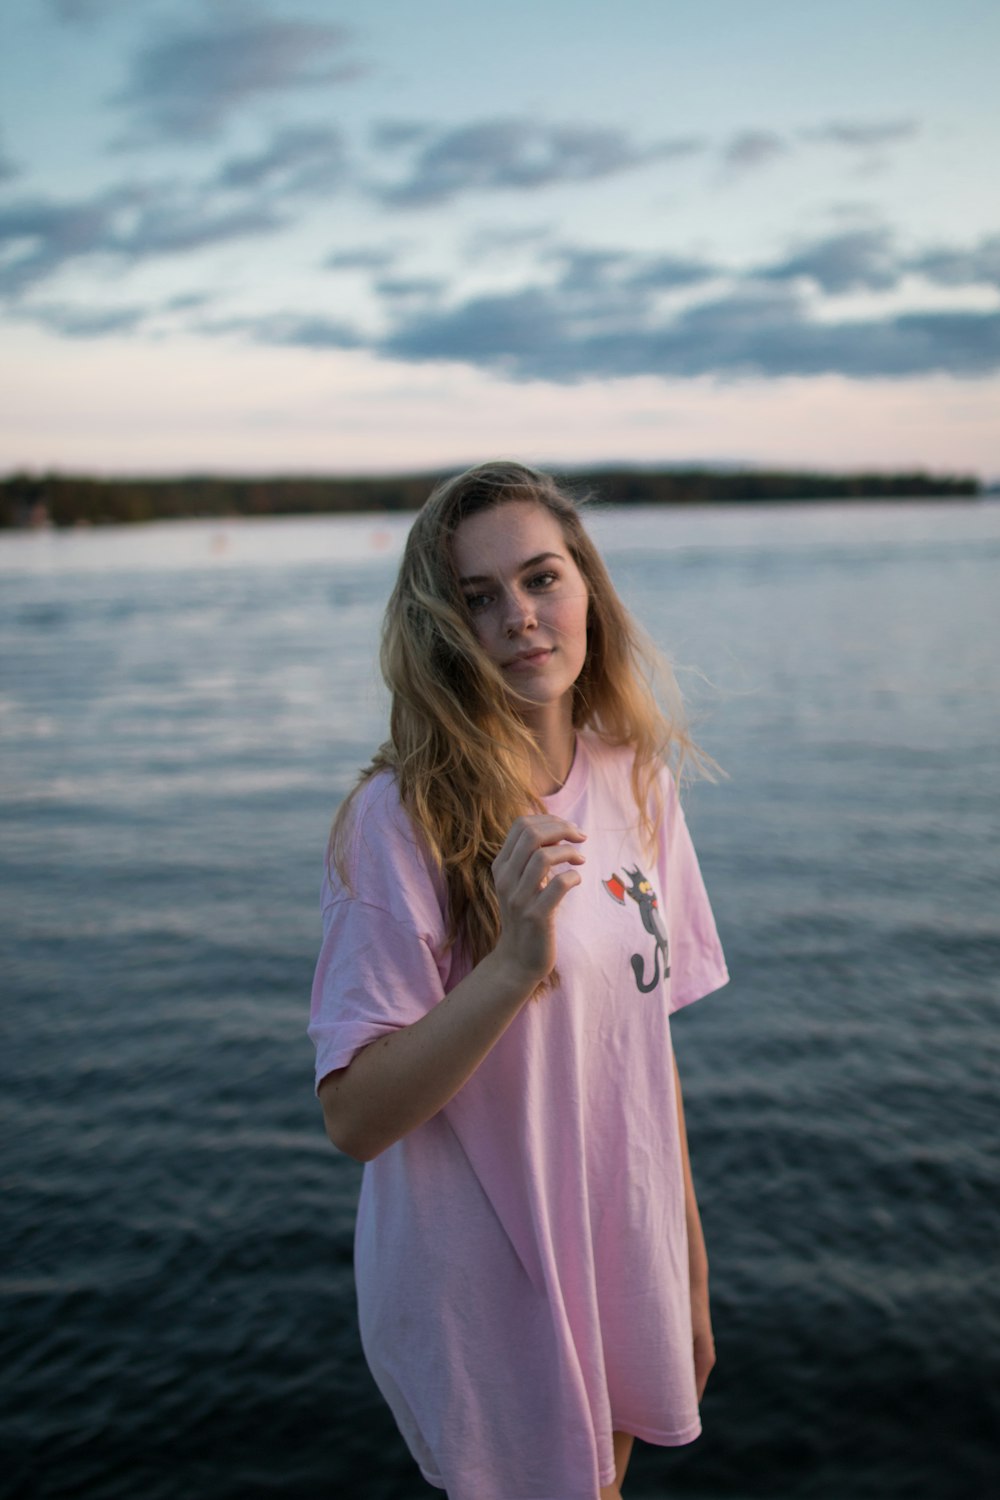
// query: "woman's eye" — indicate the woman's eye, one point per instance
point(475, 602)
point(543, 580)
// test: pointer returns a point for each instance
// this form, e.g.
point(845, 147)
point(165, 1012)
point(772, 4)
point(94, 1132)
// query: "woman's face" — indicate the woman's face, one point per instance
point(527, 600)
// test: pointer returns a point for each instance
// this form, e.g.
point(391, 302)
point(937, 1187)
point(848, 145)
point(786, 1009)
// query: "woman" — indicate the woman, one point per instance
point(512, 909)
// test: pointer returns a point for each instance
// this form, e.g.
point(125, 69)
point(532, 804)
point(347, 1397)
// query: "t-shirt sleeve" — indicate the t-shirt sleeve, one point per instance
point(697, 964)
point(374, 975)
point(384, 960)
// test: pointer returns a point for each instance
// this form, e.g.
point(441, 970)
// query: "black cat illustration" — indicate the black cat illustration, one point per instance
point(644, 896)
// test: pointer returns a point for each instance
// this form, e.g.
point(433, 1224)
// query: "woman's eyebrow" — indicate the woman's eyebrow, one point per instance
point(531, 562)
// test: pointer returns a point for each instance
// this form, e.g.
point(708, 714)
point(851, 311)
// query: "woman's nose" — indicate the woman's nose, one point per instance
point(519, 613)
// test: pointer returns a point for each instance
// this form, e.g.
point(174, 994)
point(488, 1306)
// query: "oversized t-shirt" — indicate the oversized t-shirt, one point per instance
point(521, 1258)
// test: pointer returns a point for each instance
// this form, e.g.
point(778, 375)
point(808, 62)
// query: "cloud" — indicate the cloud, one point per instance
point(598, 315)
point(86, 323)
point(667, 272)
point(389, 135)
point(751, 149)
point(185, 302)
point(409, 288)
point(866, 260)
point(298, 159)
point(8, 168)
point(857, 260)
point(185, 85)
point(85, 11)
point(862, 135)
point(171, 229)
point(753, 334)
point(89, 322)
point(588, 272)
point(979, 266)
point(362, 258)
point(500, 239)
point(39, 237)
point(514, 154)
point(291, 330)
point(754, 331)
point(536, 332)
point(514, 332)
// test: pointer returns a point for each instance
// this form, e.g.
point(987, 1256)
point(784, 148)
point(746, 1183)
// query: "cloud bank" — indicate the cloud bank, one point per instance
point(538, 334)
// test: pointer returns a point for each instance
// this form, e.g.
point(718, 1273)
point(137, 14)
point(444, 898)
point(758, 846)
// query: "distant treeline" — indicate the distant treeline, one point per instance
point(71, 500)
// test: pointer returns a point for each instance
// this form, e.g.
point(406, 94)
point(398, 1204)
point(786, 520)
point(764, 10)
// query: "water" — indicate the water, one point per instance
point(182, 706)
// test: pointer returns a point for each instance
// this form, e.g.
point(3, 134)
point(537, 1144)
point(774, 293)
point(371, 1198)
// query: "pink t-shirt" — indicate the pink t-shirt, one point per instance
point(521, 1259)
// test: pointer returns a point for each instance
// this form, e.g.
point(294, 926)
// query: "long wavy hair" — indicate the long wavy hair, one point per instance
point(459, 751)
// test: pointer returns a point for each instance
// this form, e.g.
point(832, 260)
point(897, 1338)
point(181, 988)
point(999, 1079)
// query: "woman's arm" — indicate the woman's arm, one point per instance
point(701, 1320)
point(399, 1081)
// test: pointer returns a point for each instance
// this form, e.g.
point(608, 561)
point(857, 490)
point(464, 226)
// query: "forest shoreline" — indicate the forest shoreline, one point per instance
point(65, 500)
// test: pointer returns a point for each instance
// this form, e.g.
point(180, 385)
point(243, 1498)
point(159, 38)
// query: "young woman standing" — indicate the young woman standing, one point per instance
point(512, 909)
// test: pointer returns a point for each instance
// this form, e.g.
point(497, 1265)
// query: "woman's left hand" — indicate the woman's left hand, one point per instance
point(704, 1340)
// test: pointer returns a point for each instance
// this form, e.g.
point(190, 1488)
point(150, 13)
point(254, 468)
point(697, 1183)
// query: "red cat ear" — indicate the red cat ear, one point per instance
point(615, 888)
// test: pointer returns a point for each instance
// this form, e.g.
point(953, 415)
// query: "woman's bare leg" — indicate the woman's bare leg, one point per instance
point(623, 1452)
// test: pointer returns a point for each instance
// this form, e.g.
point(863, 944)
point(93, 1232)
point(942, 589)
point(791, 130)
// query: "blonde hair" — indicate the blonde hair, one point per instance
point(457, 747)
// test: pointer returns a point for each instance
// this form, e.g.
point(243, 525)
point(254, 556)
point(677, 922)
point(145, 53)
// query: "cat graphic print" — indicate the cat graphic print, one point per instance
point(642, 893)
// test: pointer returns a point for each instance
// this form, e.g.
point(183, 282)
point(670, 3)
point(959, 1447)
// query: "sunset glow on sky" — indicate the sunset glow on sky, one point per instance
point(323, 237)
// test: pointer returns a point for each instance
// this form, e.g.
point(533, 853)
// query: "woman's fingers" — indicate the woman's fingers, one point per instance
point(532, 873)
point(554, 890)
point(539, 865)
point(539, 828)
point(537, 835)
point(518, 884)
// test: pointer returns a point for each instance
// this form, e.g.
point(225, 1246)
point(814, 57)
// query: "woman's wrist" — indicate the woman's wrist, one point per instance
point(511, 974)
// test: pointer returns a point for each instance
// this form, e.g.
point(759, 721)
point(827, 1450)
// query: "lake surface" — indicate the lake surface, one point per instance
point(181, 708)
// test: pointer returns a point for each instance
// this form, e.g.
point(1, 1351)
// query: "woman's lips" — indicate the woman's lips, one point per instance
point(528, 660)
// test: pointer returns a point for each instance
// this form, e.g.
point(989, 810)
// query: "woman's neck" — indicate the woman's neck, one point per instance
point(555, 752)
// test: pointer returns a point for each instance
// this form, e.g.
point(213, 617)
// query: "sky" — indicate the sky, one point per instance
point(244, 236)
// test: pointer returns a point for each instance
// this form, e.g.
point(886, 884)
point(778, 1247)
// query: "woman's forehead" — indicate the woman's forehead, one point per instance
point(505, 536)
